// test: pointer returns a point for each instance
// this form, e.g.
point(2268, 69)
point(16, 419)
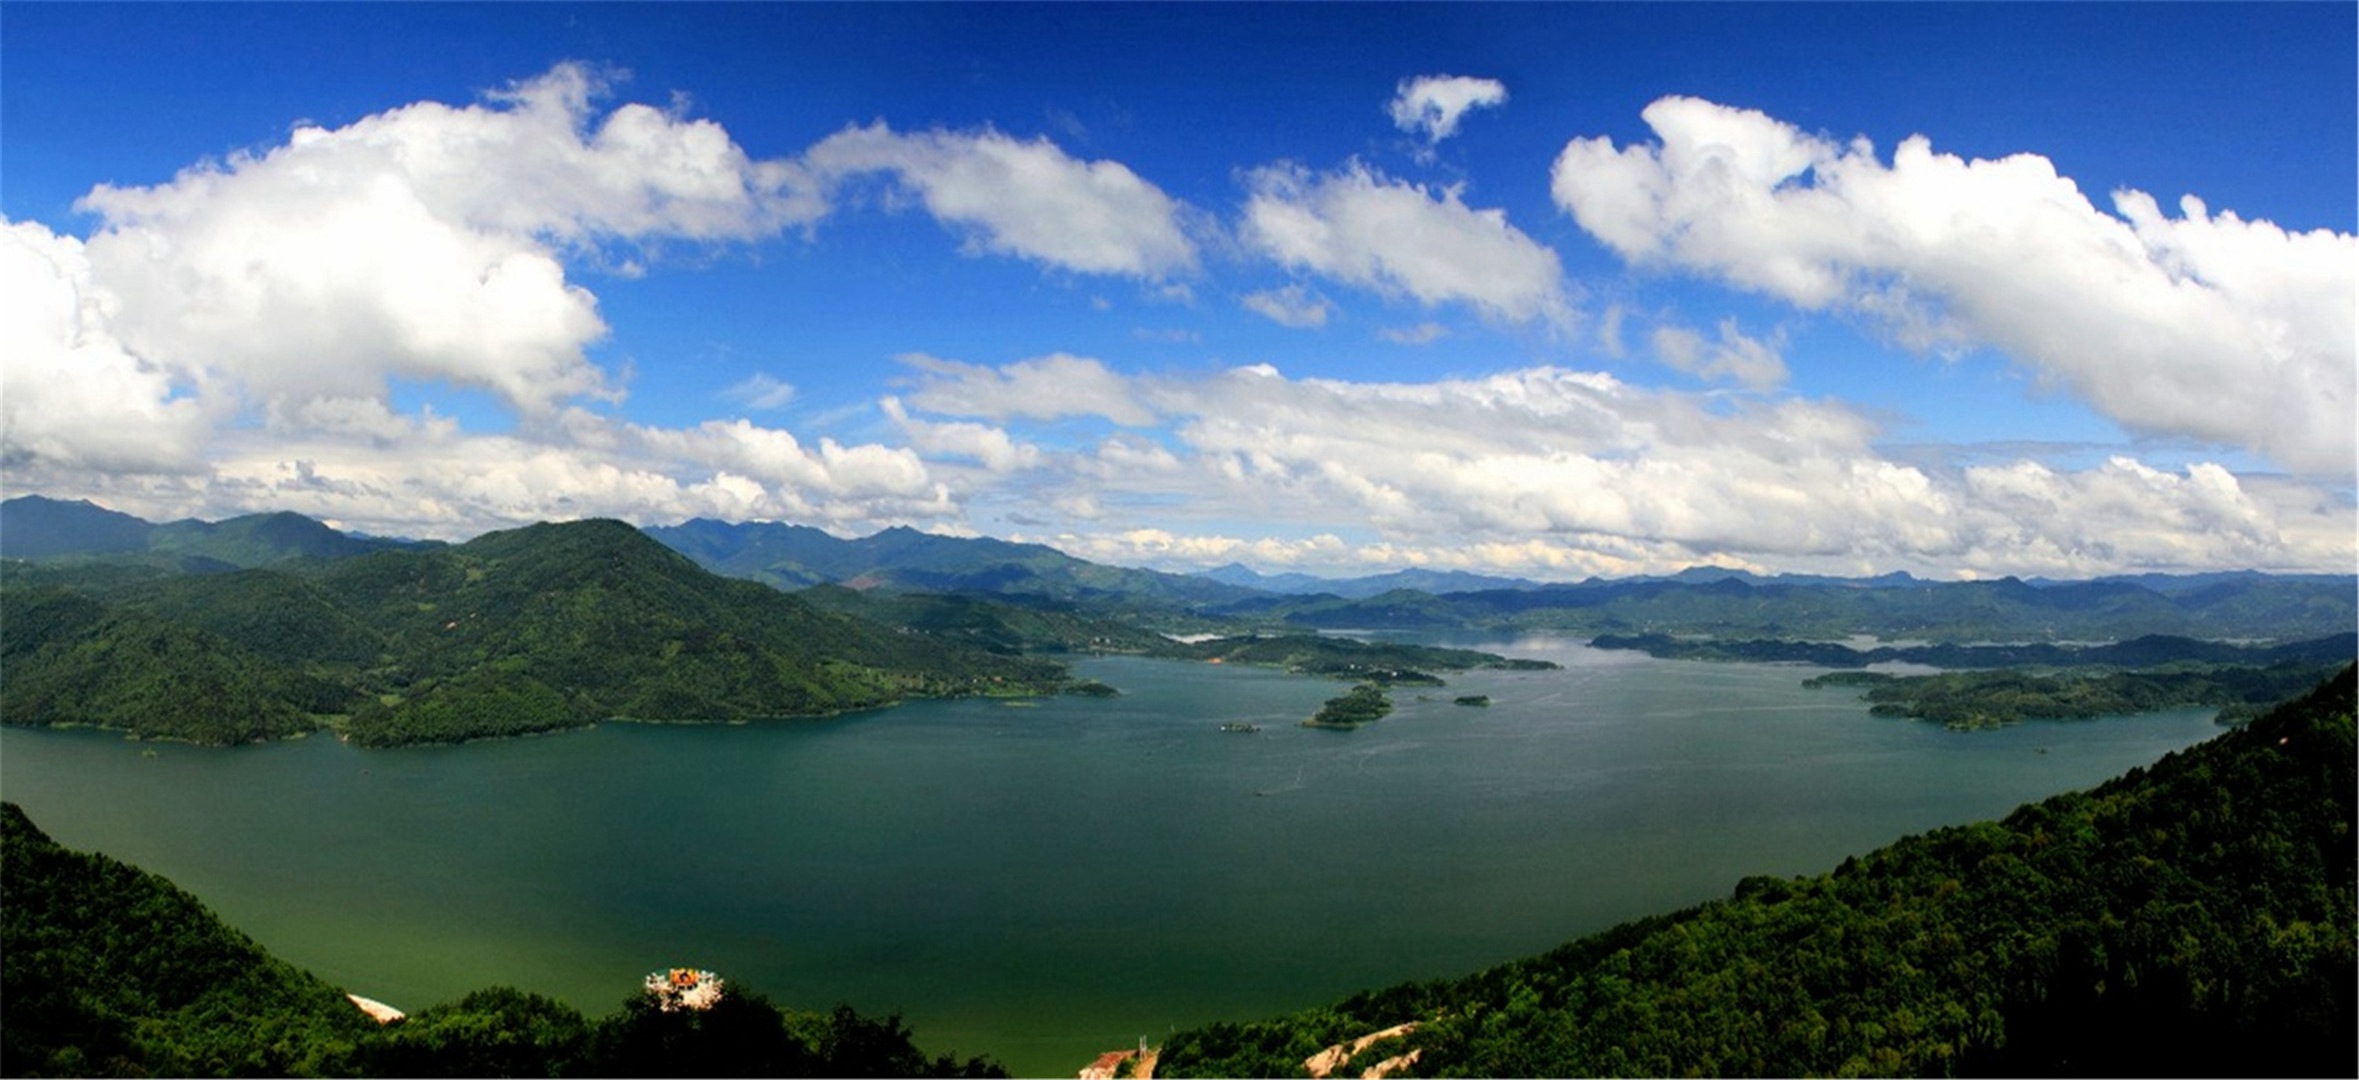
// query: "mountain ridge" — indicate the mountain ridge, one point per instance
point(1711, 601)
point(540, 628)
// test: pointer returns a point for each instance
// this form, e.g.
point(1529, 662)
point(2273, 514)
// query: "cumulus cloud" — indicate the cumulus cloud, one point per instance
point(1361, 228)
point(71, 397)
point(988, 446)
point(425, 242)
point(1292, 306)
point(1432, 104)
point(1561, 472)
point(2204, 325)
point(226, 341)
point(1024, 198)
point(1745, 360)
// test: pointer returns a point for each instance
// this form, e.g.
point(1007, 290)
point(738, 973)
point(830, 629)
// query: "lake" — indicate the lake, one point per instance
point(1044, 882)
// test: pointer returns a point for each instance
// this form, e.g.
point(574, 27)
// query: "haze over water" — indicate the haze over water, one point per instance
point(1040, 883)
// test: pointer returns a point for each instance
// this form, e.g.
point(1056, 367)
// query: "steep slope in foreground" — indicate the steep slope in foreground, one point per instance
point(107, 970)
point(2193, 918)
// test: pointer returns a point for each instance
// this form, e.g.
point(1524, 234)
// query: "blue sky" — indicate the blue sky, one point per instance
point(1550, 290)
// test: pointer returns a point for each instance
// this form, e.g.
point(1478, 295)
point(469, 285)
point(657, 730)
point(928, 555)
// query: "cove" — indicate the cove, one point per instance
point(1046, 881)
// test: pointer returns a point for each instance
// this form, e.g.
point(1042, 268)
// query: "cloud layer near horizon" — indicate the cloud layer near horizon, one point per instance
point(1566, 473)
point(231, 340)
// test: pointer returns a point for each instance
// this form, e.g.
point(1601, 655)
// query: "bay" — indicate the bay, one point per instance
point(1046, 881)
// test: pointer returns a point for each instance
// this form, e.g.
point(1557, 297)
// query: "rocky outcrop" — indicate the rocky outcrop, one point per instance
point(377, 1010)
point(1324, 1063)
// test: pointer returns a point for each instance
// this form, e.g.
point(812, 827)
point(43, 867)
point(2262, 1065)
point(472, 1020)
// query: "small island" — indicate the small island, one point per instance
point(1363, 704)
point(1383, 663)
point(1479, 701)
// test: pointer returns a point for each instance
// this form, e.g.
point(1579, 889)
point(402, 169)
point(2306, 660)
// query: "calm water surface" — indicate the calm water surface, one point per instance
point(1042, 883)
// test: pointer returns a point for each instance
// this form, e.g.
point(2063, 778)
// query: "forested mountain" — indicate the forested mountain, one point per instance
point(2257, 607)
point(1000, 624)
point(107, 970)
point(2192, 918)
point(36, 527)
point(531, 629)
point(70, 659)
point(794, 556)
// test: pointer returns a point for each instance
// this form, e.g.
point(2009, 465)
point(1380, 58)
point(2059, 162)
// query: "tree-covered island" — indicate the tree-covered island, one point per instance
point(1362, 704)
point(1385, 663)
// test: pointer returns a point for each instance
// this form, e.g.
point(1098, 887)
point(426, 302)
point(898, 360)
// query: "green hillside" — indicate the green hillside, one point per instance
point(532, 629)
point(72, 660)
point(995, 624)
point(2192, 918)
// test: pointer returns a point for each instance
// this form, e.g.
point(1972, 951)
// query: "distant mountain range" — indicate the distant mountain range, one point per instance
point(796, 556)
point(1701, 601)
point(34, 527)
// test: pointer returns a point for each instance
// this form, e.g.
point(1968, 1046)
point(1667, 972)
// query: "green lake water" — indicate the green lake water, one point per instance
point(1043, 883)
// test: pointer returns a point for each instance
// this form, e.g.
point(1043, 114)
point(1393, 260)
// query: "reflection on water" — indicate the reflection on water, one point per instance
point(1042, 883)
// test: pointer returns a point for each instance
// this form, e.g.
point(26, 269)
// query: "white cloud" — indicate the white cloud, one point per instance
point(1358, 227)
point(761, 391)
point(1028, 199)
point(71, 397)
point(1042, 388)
point(1292, 306)
point(2204, 325)
point(399, 245)
point(1424, 333)
point(989, 446)
point(1161, 546)
point(423, 476)
point(1432, 104)
point(225, 342)
point(1736, 357)
point(1565, 473)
